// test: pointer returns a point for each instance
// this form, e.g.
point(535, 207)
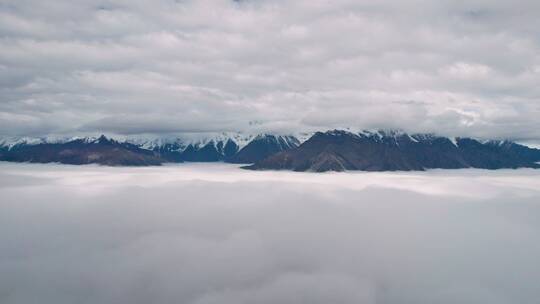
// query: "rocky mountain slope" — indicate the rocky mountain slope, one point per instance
point(100, 150)
point(236, 148)
point(229, 148)
point(392, 151)
point(335, 150)
point(262, 147)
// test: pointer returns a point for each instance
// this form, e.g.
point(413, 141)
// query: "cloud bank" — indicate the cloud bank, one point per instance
point(205, 234)
point(128, 67)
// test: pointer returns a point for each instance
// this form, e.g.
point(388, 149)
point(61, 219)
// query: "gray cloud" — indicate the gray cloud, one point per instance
point(215, 234)
point(457, 68)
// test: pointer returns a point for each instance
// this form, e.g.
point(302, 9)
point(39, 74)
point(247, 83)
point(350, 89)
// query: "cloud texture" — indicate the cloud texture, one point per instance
point(455, 67)
point(205, 234)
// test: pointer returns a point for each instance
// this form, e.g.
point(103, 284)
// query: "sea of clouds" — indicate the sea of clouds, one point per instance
point(204, 234)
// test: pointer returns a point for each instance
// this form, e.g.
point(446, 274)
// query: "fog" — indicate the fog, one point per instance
point(213, 233)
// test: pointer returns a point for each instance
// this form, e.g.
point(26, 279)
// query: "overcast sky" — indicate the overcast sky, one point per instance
point(129, 67)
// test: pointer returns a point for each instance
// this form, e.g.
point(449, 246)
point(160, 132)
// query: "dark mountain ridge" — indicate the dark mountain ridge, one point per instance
point(396, 151)
point(335, 150)
point(262, 147)
point(256, 149)
point(107, 151)
point(101, 151)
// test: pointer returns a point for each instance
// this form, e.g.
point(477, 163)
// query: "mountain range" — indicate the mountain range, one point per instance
point(335, 150)
point(140, 151)
point(397, 151)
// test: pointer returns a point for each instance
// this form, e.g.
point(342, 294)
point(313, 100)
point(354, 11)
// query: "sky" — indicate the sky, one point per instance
point(213, 233)
point(459, 68)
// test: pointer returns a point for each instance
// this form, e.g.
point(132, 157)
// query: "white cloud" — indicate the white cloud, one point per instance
point(467, 71)
point(195, 233)
point(245, 59)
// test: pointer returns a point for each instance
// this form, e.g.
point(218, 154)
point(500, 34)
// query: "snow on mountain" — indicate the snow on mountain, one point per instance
point(194, 140)
point(530, 144)
point(152, 142)
point(402, 148)
point(180, 142)
point(10, 142)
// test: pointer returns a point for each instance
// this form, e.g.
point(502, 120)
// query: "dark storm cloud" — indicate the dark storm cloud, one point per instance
point(454, 67)
point(200, 234)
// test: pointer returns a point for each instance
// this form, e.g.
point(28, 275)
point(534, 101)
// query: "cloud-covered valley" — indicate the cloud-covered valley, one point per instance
point(201, 234)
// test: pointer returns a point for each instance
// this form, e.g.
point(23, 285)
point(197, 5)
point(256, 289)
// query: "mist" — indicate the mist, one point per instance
point(214, 233)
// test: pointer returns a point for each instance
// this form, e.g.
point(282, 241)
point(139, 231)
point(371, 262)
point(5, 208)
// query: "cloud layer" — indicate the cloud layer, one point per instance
point(205, 234)
point(458, 68)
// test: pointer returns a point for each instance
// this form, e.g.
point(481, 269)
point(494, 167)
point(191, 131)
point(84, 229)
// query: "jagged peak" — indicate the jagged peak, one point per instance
point(199, 140)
